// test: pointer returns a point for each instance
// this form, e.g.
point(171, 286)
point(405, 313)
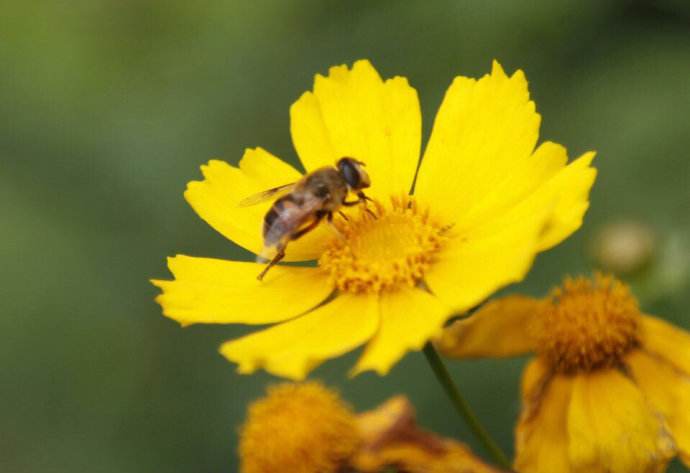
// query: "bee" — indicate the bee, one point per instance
point(306, 203)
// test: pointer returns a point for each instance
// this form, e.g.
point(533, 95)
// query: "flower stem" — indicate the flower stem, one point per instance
point(463, 407)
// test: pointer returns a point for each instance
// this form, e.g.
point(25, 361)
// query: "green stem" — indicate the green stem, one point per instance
point(463, 407)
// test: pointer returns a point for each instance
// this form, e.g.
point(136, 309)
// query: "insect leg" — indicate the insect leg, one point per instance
point(329, 218)
point(273, 262)
point(363, 199)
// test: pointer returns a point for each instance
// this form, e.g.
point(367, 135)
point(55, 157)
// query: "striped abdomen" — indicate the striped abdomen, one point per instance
point(285, 216)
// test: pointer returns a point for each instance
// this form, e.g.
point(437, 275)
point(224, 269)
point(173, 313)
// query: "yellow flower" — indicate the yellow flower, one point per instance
point(609, 388)
point(300, 428)
point(485, 202)
point(308, 428)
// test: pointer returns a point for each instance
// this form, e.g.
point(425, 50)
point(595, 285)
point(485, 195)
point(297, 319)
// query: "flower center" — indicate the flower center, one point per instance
point(298, 428)
point(383, 248)
point(588, 324)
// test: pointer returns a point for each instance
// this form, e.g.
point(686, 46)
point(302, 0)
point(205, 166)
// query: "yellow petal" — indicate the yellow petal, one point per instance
point(668, 391)
point(354, 113)
point(479, 261)
point(480, 159)
point(294, 348)
point(574, 183)
point(501, 327)
point(483, 133)
point(541, 437)
point(612, 428)
point(667, 341)
point(409, 317)
point(545, 172)
point(216, 200)
point(207, 290)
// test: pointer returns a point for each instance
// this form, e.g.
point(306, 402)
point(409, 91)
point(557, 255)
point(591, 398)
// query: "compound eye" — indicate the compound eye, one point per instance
point(349, 172)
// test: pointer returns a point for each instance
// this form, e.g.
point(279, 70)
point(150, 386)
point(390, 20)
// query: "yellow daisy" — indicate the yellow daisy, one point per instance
point(609, 389)
point(485, 202)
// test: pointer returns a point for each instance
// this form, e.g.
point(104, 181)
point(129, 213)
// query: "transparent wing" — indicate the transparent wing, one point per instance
point(268, 194)
point(293, 219)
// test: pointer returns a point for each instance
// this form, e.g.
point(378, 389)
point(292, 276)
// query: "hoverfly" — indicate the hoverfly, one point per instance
point(306, 203)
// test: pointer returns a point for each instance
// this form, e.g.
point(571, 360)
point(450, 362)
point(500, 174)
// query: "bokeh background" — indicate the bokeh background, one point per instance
point(109, 107)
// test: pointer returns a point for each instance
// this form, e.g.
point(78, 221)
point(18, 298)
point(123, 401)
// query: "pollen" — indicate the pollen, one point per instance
point(383, 247)
point(300, 428)
point(588, 324)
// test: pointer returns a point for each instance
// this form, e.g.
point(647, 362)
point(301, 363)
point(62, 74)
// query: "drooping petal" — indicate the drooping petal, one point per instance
point(207, 290)
point(294, 348)
point(502, 327)
point(216, 200)
point(663, 339)
point(476, 262)
point(541, 437)
point(668, 391)
point(409, 317)
point(390, 436)
point(611, 426)
point(483, 133)
point(355, 113)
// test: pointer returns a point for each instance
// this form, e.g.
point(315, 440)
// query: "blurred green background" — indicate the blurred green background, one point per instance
point(108, 109)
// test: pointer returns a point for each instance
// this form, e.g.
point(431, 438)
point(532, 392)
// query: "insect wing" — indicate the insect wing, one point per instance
point(268, 194)
point(291, 218)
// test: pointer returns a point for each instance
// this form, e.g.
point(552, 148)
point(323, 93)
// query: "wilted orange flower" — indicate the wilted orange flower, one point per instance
point(391, 438)
point(486, 200)
point(609, 388)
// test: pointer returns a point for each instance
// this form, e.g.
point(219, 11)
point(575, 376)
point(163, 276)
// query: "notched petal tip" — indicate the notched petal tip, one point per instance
point(191, 188)
point(497, 69)
point(174, 263)
point(335, 71)
point(363, 63)
point(210, 166)
point(158, 282)
point(587, 158)
point(170, 260)
point(246, 366)
point(307, 99)
point(162, 300)
point(343, 72)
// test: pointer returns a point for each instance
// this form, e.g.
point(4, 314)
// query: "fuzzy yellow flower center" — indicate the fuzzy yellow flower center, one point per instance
point(300, 428)
point(384, 247)
point(588, 324)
